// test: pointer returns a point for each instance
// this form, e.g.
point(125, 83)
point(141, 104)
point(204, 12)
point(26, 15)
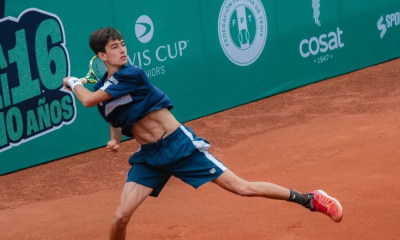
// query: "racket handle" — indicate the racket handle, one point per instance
point(83, 80)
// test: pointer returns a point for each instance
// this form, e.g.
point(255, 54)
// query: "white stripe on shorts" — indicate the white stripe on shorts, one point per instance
point(203, 147)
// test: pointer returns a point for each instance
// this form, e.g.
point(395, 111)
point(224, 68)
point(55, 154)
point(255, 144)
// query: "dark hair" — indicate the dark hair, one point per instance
point(99, 38)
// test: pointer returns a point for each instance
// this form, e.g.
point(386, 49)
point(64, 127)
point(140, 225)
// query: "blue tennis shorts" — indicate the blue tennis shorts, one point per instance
point(181, 154)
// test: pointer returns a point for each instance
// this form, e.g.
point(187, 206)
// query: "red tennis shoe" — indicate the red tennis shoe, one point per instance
point(322, 202)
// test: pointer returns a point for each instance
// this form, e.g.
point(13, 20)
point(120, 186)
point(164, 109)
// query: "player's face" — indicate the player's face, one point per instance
point(116, 52)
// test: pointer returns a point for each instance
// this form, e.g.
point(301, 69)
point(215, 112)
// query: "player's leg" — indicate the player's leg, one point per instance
point(199, 167)
point(142, 180)
point(132, 196)
point(229, 181)
point(317, 200)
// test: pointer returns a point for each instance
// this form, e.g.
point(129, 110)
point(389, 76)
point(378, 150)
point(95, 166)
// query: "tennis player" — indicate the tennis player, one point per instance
point(134, 107)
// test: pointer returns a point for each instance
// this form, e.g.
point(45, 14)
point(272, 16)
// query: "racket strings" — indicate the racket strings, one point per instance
point(99, 68)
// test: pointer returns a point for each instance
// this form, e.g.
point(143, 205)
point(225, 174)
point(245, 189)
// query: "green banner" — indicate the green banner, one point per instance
point(169, 46)
point(207, 56)
point(38, 47)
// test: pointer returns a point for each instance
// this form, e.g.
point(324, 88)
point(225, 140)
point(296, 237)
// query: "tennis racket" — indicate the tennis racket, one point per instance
point(97, 69)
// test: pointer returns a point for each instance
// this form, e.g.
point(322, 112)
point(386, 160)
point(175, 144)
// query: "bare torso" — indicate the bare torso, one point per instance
point(154, 125)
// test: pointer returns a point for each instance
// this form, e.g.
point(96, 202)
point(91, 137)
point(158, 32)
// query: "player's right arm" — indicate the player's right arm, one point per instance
point(116, 137)
point(86, 97)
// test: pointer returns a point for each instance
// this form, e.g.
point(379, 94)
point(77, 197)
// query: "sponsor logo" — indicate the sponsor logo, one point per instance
point(212, 171)
point(242, 29)
point(33, 62)
point(321, 44)
point(153, 58)
point(320, 47)
point(381, 27)
point(113, 80)
point(389, 21)
point(316, 5)
point(144, 29)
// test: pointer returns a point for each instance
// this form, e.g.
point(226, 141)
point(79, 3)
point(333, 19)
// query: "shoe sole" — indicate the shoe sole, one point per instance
point(336, 201)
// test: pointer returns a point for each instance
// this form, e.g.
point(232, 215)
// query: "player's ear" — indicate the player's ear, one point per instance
point(102, 56)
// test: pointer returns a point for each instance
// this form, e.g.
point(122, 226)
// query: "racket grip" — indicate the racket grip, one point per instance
point(83, 80)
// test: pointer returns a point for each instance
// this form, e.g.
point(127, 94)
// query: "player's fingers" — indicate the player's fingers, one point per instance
point(67, 87)
point(115, 147)
point(109, 146)
point(112, 146)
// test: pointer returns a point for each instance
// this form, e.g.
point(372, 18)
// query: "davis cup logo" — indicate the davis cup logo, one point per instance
point(144, 29)
point(242, 29)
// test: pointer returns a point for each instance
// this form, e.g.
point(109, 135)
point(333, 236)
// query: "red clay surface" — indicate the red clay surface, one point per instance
point(340, 135)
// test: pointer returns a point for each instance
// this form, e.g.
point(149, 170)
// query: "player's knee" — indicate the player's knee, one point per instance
point(121, 220)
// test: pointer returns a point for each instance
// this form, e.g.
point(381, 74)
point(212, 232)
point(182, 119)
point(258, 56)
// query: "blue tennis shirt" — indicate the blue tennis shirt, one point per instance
point(133, 97)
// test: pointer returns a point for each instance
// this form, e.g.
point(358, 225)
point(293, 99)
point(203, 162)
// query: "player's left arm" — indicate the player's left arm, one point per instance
point(86, 97)
point(116, 134)
point(116, 137)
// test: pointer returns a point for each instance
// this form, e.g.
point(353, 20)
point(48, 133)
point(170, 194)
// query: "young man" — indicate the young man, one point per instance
point(134, 107)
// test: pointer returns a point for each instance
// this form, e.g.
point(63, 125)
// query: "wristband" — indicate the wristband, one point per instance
point(73, 82)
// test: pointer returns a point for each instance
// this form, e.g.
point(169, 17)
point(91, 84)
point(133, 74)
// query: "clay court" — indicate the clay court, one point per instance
point(340, 135)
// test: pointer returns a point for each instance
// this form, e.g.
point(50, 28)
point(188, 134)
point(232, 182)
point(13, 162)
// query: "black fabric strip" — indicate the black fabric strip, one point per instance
point(2, 8)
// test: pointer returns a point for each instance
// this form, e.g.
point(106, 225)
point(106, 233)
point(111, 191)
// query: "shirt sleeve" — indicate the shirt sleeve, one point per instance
point(122, 83)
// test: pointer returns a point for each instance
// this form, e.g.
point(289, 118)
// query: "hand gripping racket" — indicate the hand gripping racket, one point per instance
point(97, 69)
